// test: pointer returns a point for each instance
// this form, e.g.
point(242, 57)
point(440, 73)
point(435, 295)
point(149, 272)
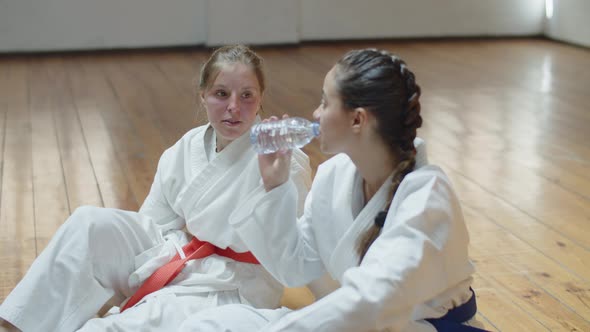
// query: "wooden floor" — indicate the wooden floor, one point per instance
point(509, 120)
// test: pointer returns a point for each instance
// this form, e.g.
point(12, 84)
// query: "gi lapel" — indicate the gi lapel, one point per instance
point(204, 174)
point(345, 253)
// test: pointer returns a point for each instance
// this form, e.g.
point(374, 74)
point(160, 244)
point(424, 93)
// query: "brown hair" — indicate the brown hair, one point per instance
point(229, 55)
point(382, 83)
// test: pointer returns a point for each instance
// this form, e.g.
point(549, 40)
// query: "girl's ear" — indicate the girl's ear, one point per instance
point(202, 97)
point(359, 119)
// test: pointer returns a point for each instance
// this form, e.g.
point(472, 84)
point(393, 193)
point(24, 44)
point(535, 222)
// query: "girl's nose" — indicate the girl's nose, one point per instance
point(233, 105)
point(316, 114)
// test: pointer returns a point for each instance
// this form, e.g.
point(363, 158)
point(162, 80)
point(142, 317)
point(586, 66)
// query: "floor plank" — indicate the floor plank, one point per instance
point(49, 190)
point(17, 223)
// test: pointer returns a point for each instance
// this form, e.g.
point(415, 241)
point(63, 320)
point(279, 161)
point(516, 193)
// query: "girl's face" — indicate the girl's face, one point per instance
point(232, 102)
point(335, 120)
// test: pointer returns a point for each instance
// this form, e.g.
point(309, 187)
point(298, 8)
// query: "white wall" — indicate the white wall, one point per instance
point(570, 22)
point(253, 21)
point(344, 19)
point(31, 25)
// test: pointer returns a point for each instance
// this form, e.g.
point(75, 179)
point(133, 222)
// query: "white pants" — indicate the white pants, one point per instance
point(232, 318)
point(244, 318)
point(161, 311)
point(87, 262)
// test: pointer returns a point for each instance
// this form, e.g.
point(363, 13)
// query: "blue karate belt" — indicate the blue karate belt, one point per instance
point(452, 321)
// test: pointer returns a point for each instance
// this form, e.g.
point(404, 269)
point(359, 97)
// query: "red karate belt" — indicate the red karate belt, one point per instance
point(193, 250)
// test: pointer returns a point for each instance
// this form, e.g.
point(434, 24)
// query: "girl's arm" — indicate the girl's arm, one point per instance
point(156, 205)
point(283, 244)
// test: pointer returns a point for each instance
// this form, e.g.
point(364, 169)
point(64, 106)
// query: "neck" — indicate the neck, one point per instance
point(221, 143)
point(375, 163)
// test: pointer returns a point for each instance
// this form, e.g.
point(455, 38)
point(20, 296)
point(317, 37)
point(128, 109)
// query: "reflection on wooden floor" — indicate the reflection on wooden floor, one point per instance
point(507, 119)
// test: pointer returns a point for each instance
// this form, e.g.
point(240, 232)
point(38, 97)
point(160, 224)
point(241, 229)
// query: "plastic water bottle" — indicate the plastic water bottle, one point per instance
point(285, 134)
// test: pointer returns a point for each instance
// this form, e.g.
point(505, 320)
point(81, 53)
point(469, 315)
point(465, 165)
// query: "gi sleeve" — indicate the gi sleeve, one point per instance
point(156, 205)
point(285, 246)
point(301, 177)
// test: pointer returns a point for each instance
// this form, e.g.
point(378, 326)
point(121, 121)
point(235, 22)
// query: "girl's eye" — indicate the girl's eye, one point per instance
point(220, 93)
point(247, 95)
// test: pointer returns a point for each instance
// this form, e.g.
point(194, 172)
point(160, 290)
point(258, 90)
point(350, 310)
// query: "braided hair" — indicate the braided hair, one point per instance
point(381, 83)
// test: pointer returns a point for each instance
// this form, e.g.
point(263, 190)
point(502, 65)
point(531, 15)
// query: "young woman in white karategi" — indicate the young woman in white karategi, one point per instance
point(391, 232)
point(101, 254)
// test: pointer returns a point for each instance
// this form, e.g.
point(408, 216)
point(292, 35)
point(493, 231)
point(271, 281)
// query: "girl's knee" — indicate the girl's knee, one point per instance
point(91, 219)
point(87, 212)
point(95, 226)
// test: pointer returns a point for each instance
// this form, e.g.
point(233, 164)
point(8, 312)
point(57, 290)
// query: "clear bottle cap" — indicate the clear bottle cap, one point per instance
point(315, 127)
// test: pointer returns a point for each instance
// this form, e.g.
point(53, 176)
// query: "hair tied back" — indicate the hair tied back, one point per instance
point(380, 219)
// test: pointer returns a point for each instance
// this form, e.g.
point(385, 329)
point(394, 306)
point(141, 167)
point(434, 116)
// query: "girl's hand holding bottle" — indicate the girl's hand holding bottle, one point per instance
point(274, 166)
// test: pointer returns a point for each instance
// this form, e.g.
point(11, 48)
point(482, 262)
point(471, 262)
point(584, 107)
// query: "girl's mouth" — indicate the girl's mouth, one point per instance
point(232, 123)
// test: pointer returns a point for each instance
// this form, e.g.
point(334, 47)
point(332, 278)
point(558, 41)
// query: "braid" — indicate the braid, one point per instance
point(410, 117)
point(401, 141)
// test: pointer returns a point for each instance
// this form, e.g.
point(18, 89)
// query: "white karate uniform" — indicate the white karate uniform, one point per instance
point(417, 268)
point(101, 253)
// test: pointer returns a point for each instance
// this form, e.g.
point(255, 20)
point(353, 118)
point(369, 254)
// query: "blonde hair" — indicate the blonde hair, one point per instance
point(229, 55)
